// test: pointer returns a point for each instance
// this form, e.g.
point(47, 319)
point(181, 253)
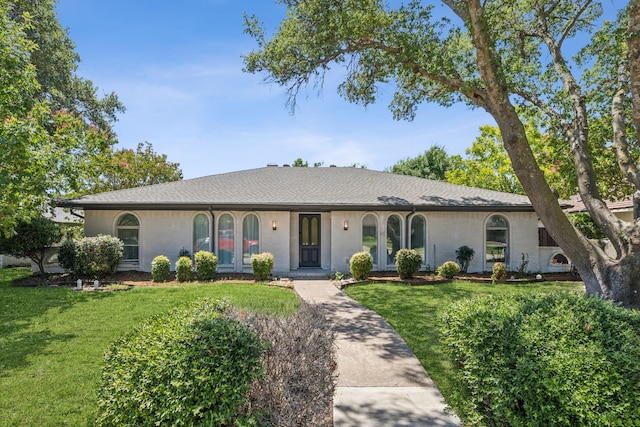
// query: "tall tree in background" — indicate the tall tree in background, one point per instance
point(126, 168)
point(56, 64)
point(432, 164)
point(508, 58)
point(487, 165)
point(51, 123)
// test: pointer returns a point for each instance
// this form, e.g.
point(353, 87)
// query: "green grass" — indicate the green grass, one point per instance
point(52, 340)
point(414, 313)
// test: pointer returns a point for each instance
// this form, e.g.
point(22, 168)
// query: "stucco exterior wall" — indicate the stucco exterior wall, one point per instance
point(167, 232)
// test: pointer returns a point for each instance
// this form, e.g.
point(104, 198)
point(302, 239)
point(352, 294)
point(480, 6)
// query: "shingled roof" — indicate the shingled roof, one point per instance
point(296, 188)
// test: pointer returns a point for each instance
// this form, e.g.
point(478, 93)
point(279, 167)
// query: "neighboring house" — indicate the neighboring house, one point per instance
point(623, 209)
point(314, 219)
point(58, 215)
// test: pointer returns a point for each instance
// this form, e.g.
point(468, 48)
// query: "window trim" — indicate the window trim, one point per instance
point(234, 244)
point(193, 230)
point(507, 251)
point(425, 236)
point(391, 263)
point(117, 228)
point(375, 255)
point(244, 217)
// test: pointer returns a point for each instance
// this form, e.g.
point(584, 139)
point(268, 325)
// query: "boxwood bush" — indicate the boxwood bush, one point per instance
point(189, 366)
point(408, 263)
point(541, 360)
point(498, 272)
point(262, 265)
point(184, 269)
point(206, 265)
point(360, 265)
point(160, 268)
point(448, 269)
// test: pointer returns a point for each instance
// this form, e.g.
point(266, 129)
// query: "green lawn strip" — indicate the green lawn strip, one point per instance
point(52, 340)
point(414, 311)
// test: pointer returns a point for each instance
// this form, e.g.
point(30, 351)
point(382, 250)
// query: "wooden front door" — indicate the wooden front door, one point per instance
point(309, 240)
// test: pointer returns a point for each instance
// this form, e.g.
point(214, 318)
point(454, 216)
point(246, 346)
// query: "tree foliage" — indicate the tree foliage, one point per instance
point(32, 239)
point(513, 59)
point(432, 164)
point(128, 168)
point(51, 124)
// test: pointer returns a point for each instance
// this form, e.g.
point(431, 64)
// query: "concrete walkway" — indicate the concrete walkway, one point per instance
point(380, 381)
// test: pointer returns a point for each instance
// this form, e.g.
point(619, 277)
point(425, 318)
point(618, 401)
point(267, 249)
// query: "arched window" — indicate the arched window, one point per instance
point(419, 236)
point(370, 237)
point(201, 238)
point(559, 259)
point(226, 240)
point(128, 230)
point(394, 238)
point(250, 238)
point(497, 240)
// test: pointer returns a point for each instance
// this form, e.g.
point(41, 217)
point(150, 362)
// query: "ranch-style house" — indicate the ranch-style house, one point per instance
point(314, 219)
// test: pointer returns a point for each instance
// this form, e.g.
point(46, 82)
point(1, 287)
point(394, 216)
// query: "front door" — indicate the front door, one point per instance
point(310, 240)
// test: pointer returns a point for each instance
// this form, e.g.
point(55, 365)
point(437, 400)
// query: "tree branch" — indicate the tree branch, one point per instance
point(620, 144)
point(475, 95)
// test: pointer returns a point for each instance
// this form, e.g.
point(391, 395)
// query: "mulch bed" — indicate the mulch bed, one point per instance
point(141, 278)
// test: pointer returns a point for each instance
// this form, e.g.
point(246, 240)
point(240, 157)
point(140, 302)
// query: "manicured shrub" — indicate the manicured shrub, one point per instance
point(189, 366)
point(360, 265)
point(206, 265)
point(499, 272)
point(464, 255)
point(541, 360)
point(299, 365)
point(448, 269)
point(160, 268)
point(67, 255)
point(184, 269)
point(408, 263)
point(98, 256)
point(262, 265)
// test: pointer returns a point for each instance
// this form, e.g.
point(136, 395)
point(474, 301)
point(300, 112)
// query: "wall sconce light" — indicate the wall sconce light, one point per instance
point(346, 225)
point(274, 225)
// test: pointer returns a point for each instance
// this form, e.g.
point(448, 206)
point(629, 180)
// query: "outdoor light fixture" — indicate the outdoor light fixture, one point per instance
point(346, 225)
point(274, 225)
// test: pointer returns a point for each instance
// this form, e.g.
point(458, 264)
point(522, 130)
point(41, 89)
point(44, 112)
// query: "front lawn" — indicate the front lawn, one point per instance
point(52, 340)
point(413, 311)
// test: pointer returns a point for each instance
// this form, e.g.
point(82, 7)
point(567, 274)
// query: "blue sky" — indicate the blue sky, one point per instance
point(177, 67)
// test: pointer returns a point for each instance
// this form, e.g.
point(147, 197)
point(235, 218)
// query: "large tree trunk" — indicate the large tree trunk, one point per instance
point(612, 278)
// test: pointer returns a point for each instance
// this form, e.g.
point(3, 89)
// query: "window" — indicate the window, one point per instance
point(370, 237)
point(394, 238)
point(497, 245)
point(250, 238)
point(559, 259)
point(201, 239)
point(544, 238)
point(128, 230)
point(226, 240)
point(419, 236)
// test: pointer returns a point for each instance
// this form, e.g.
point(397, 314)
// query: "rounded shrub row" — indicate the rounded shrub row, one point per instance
point(541, 360)
point(205, 267)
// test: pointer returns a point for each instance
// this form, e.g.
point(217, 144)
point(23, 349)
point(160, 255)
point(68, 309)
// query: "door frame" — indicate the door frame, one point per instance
point(315, 248)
